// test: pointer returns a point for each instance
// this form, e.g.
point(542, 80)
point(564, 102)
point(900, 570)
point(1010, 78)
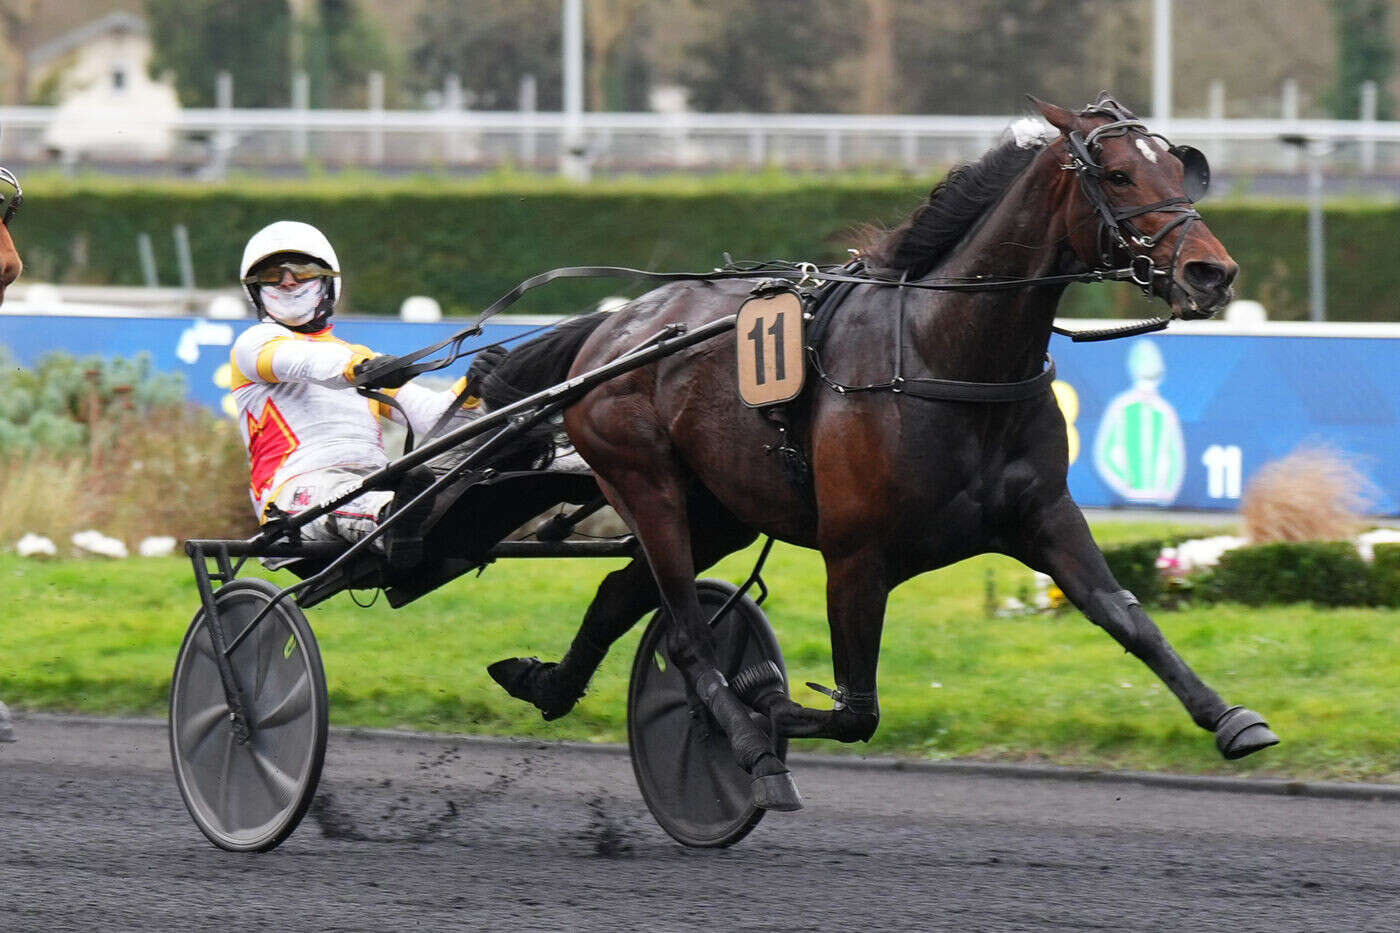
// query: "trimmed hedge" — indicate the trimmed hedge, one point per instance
point(1385, 575)
point(467, 242)
point(1329, 573)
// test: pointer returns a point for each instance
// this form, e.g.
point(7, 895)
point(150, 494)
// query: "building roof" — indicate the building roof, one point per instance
point(117, 21)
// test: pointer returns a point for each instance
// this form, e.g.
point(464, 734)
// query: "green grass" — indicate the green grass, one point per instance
point(101, 638)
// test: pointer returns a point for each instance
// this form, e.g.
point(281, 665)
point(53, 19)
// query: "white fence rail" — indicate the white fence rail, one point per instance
point(415, 139)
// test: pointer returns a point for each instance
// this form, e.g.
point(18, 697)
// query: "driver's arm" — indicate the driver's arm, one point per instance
point(272, 355)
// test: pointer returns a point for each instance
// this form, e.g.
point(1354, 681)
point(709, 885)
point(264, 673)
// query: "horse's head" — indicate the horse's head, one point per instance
point(11, 196)
point(1132, 207)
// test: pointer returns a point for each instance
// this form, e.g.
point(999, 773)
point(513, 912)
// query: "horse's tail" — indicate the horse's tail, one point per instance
point(539, 363)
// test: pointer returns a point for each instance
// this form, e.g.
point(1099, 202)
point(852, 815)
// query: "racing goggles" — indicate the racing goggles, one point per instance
point(300, 272)
point(11, 195)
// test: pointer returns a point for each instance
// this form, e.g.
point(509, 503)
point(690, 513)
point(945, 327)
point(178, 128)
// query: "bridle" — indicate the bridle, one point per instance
point(12, 206)
point(1115, 223)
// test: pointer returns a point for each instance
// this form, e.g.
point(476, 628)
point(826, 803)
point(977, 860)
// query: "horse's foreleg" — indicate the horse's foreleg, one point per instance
point(856, 593)
point(1061, 545)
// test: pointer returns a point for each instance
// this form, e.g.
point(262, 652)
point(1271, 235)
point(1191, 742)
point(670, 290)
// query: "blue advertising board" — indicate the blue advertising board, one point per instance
point(1183, 419)
point(1179, 419)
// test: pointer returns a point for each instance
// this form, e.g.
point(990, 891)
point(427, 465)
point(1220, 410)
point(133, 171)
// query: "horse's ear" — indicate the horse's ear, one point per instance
point(1058, 117)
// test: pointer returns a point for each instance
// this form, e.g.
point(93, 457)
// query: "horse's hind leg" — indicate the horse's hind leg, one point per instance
point(856, 594)
point(1060, 544)
point(623, 597)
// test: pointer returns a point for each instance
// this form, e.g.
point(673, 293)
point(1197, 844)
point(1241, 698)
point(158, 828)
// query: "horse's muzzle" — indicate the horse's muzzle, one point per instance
point(1204, 287)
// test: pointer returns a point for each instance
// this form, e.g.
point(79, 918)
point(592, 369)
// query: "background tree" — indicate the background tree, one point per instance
point(616, 72)
point(16, 21)
point(344, 43)
point(1364, 53)
point(779, 56)
point(491, 46)
point(877, 77)
point(262, 42)
point(196, 39)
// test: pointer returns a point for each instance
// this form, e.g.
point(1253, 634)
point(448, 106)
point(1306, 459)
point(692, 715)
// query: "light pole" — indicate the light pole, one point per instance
point(1161, 60)
point(1316, 150)
point(573, 160)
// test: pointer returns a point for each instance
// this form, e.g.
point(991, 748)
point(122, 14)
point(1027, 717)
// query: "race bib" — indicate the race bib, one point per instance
point(772, 365)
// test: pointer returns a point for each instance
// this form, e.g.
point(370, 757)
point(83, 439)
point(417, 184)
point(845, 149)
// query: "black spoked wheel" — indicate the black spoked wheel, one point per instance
point(684, 765)
point(249, 797)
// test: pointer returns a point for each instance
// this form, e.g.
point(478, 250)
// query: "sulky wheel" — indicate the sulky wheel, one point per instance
point(684, 765)
point(249, 797)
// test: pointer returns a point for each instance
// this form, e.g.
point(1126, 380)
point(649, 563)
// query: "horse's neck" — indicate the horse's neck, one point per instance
point(997, 336)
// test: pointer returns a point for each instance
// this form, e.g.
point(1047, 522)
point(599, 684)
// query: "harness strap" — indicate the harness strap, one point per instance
point(952, 390)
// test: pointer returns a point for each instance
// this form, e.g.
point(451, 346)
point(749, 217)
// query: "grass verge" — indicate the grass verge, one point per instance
point(101, 638)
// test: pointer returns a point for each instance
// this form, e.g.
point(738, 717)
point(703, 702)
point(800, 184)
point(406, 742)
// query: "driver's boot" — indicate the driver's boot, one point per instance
point(403, 542)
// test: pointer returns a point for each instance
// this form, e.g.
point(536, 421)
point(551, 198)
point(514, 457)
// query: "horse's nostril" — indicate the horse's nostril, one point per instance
point(1209, 275)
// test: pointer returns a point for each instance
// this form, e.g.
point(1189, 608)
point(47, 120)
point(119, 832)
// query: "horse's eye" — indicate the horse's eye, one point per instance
point(1119, 178)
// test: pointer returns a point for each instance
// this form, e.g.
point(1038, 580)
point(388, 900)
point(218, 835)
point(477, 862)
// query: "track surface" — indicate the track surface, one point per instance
point(461, 834)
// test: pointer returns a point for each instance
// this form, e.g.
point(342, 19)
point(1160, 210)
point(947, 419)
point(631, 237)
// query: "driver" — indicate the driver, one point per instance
point(310, 436)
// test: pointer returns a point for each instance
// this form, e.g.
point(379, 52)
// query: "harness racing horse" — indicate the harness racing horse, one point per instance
point(899, 484)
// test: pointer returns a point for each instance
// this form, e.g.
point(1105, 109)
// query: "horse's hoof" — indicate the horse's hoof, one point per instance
point(776, 792)
point(1240, 732)
point(521, 679)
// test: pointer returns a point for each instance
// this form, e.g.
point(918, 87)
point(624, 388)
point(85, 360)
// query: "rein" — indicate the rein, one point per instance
point(409, 365)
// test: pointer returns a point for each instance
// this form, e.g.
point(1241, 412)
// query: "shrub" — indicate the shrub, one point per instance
point(181, 471)
point(112, 445)
point(1385, 575)
point(58, 407)
point(1330, 573)
point(1134, 566)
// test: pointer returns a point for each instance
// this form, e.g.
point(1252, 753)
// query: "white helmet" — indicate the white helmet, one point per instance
point(288, 236)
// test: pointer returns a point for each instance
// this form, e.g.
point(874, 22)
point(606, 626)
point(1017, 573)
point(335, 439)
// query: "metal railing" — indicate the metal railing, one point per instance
point(219, 138)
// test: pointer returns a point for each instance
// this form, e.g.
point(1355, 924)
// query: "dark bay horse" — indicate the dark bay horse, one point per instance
point(898, 484)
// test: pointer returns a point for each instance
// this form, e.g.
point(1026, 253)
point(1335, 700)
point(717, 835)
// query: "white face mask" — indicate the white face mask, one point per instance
point(293, 307)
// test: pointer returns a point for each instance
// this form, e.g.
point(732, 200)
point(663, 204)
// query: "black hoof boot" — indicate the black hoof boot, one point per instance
point(525, 679)
point(773, 786)
point(1240, 732)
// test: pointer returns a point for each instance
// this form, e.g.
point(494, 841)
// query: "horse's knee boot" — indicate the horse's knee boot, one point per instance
point(1118, 614)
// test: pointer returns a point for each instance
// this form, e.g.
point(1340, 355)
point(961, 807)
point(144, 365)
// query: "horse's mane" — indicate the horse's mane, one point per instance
point(953, 206)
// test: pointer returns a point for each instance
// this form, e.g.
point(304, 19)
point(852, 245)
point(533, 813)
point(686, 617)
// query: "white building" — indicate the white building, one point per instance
point(108, 105)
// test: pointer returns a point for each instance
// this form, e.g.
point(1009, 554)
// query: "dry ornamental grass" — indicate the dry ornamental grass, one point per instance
point(1313, 494)
point(176, 470)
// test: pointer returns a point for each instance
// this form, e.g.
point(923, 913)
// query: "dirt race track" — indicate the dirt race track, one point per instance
point(414, 833)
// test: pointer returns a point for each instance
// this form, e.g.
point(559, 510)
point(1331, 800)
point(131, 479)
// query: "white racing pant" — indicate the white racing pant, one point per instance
point(349, 522)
